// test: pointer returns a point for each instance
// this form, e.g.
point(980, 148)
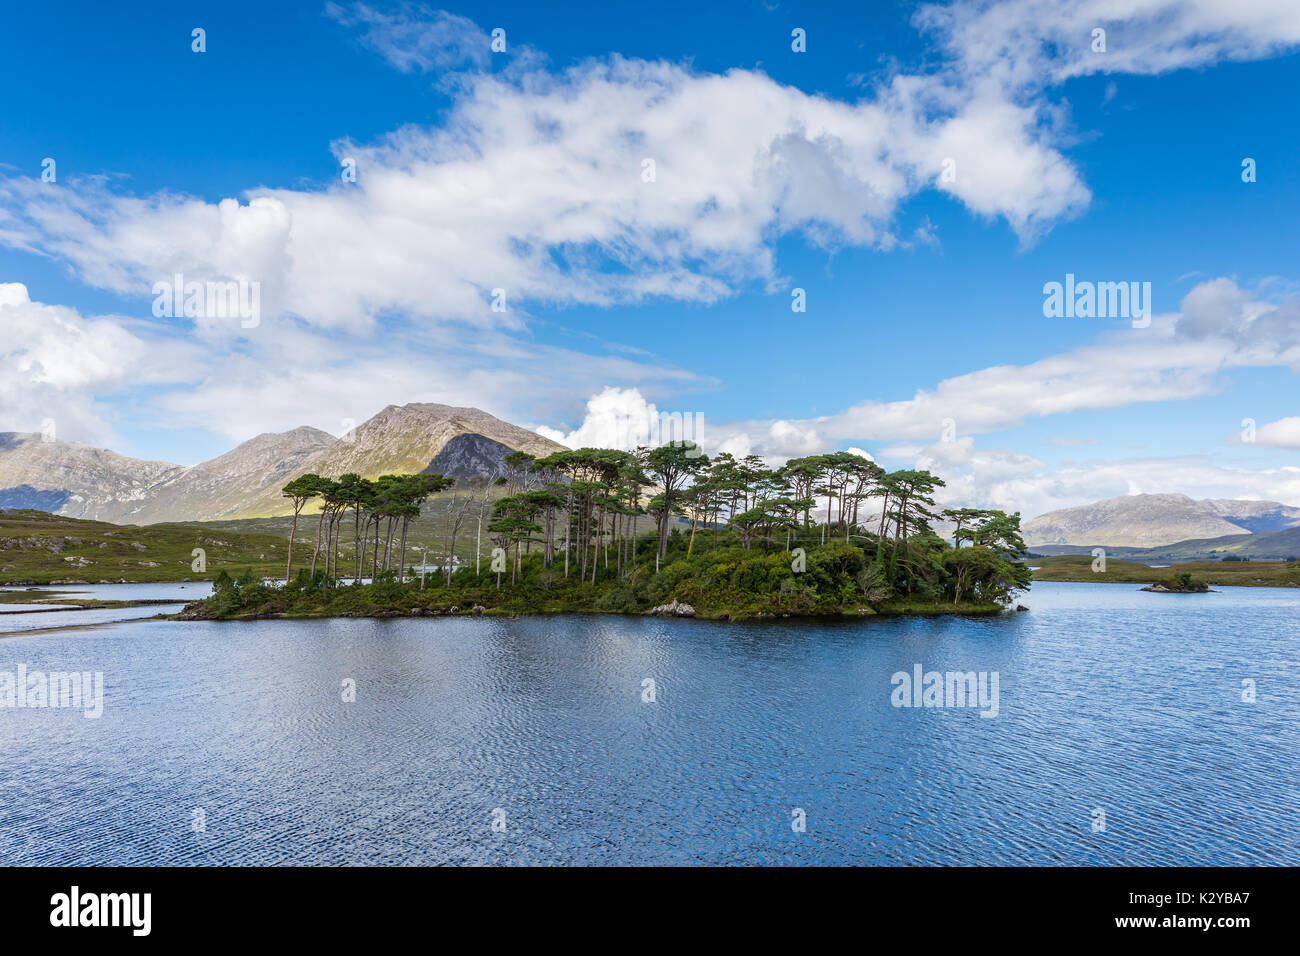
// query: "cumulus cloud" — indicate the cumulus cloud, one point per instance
point(1283, 433)
point(1221, 309)
point(1014, 481)
point(54, 361)
point(622, 418)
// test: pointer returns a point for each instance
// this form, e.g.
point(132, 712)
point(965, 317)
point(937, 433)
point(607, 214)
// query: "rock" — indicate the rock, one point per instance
point(478, 609)
point(1171, 587)
point(1021, 607)
point(673, 609)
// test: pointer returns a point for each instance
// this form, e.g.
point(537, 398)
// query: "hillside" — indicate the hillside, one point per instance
point(1220, 574)
point(401, 439)
point(40, 548)
point(1273, 545)
point(221, 487)
point(1270, 546)
point(73, 479)
point(470, 458)
point(1150, 521)
point(1257, 517)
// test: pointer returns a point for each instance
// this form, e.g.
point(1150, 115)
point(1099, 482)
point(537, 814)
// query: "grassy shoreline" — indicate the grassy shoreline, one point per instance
point(1078, 568)
point(379, 601)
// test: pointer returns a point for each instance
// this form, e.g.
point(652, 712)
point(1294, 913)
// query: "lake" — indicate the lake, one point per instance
point(534, 741)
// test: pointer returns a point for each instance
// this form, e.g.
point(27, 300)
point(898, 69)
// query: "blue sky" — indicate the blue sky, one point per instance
point(775, 169)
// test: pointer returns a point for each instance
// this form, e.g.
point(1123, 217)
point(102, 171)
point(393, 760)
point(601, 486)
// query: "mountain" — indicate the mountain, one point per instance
point(72, 479)
point(471, 457)
point(1149, 521)
point(219, 488)
point(402, 439)
point(1257, 517)
point(81, 481)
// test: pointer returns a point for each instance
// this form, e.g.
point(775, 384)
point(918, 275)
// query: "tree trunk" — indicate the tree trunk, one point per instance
point(356, 541)
point(293, 529)
point(316, 553)
point(401, 574)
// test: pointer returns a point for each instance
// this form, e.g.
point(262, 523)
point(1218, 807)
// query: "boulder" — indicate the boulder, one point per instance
point(673, 609)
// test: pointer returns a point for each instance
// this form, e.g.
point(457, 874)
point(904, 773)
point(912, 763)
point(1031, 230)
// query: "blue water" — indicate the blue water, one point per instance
point(1109, 698)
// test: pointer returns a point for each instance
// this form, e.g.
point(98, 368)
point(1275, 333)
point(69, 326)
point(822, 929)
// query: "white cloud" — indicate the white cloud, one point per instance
point(1127, 367)
point(534, 184)
point(975, 477)
point(1283, 433)
point(1036, 491)
point(414, 38)
point(1014, 481)
point(53, 361)
point(616, 418)
point(56, 364)
point(1036, 42)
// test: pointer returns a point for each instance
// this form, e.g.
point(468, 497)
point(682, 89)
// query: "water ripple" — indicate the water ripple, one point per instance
point(232, 744)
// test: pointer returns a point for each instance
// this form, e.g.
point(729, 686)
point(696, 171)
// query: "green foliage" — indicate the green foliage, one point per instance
point(980, 573)
point(568, 526)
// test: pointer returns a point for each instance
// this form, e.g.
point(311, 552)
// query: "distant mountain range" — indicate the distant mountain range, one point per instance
point(82, 481)
point(1170, 526)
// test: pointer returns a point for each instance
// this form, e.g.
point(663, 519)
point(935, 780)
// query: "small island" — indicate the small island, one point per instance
point(1181, 584)
point(664, 531)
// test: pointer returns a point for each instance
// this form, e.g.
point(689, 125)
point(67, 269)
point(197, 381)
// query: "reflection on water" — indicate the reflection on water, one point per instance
point(1110, 698)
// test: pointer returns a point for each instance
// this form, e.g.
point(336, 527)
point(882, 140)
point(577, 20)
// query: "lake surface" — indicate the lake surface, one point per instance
point(230, 743)
point(43, 617)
